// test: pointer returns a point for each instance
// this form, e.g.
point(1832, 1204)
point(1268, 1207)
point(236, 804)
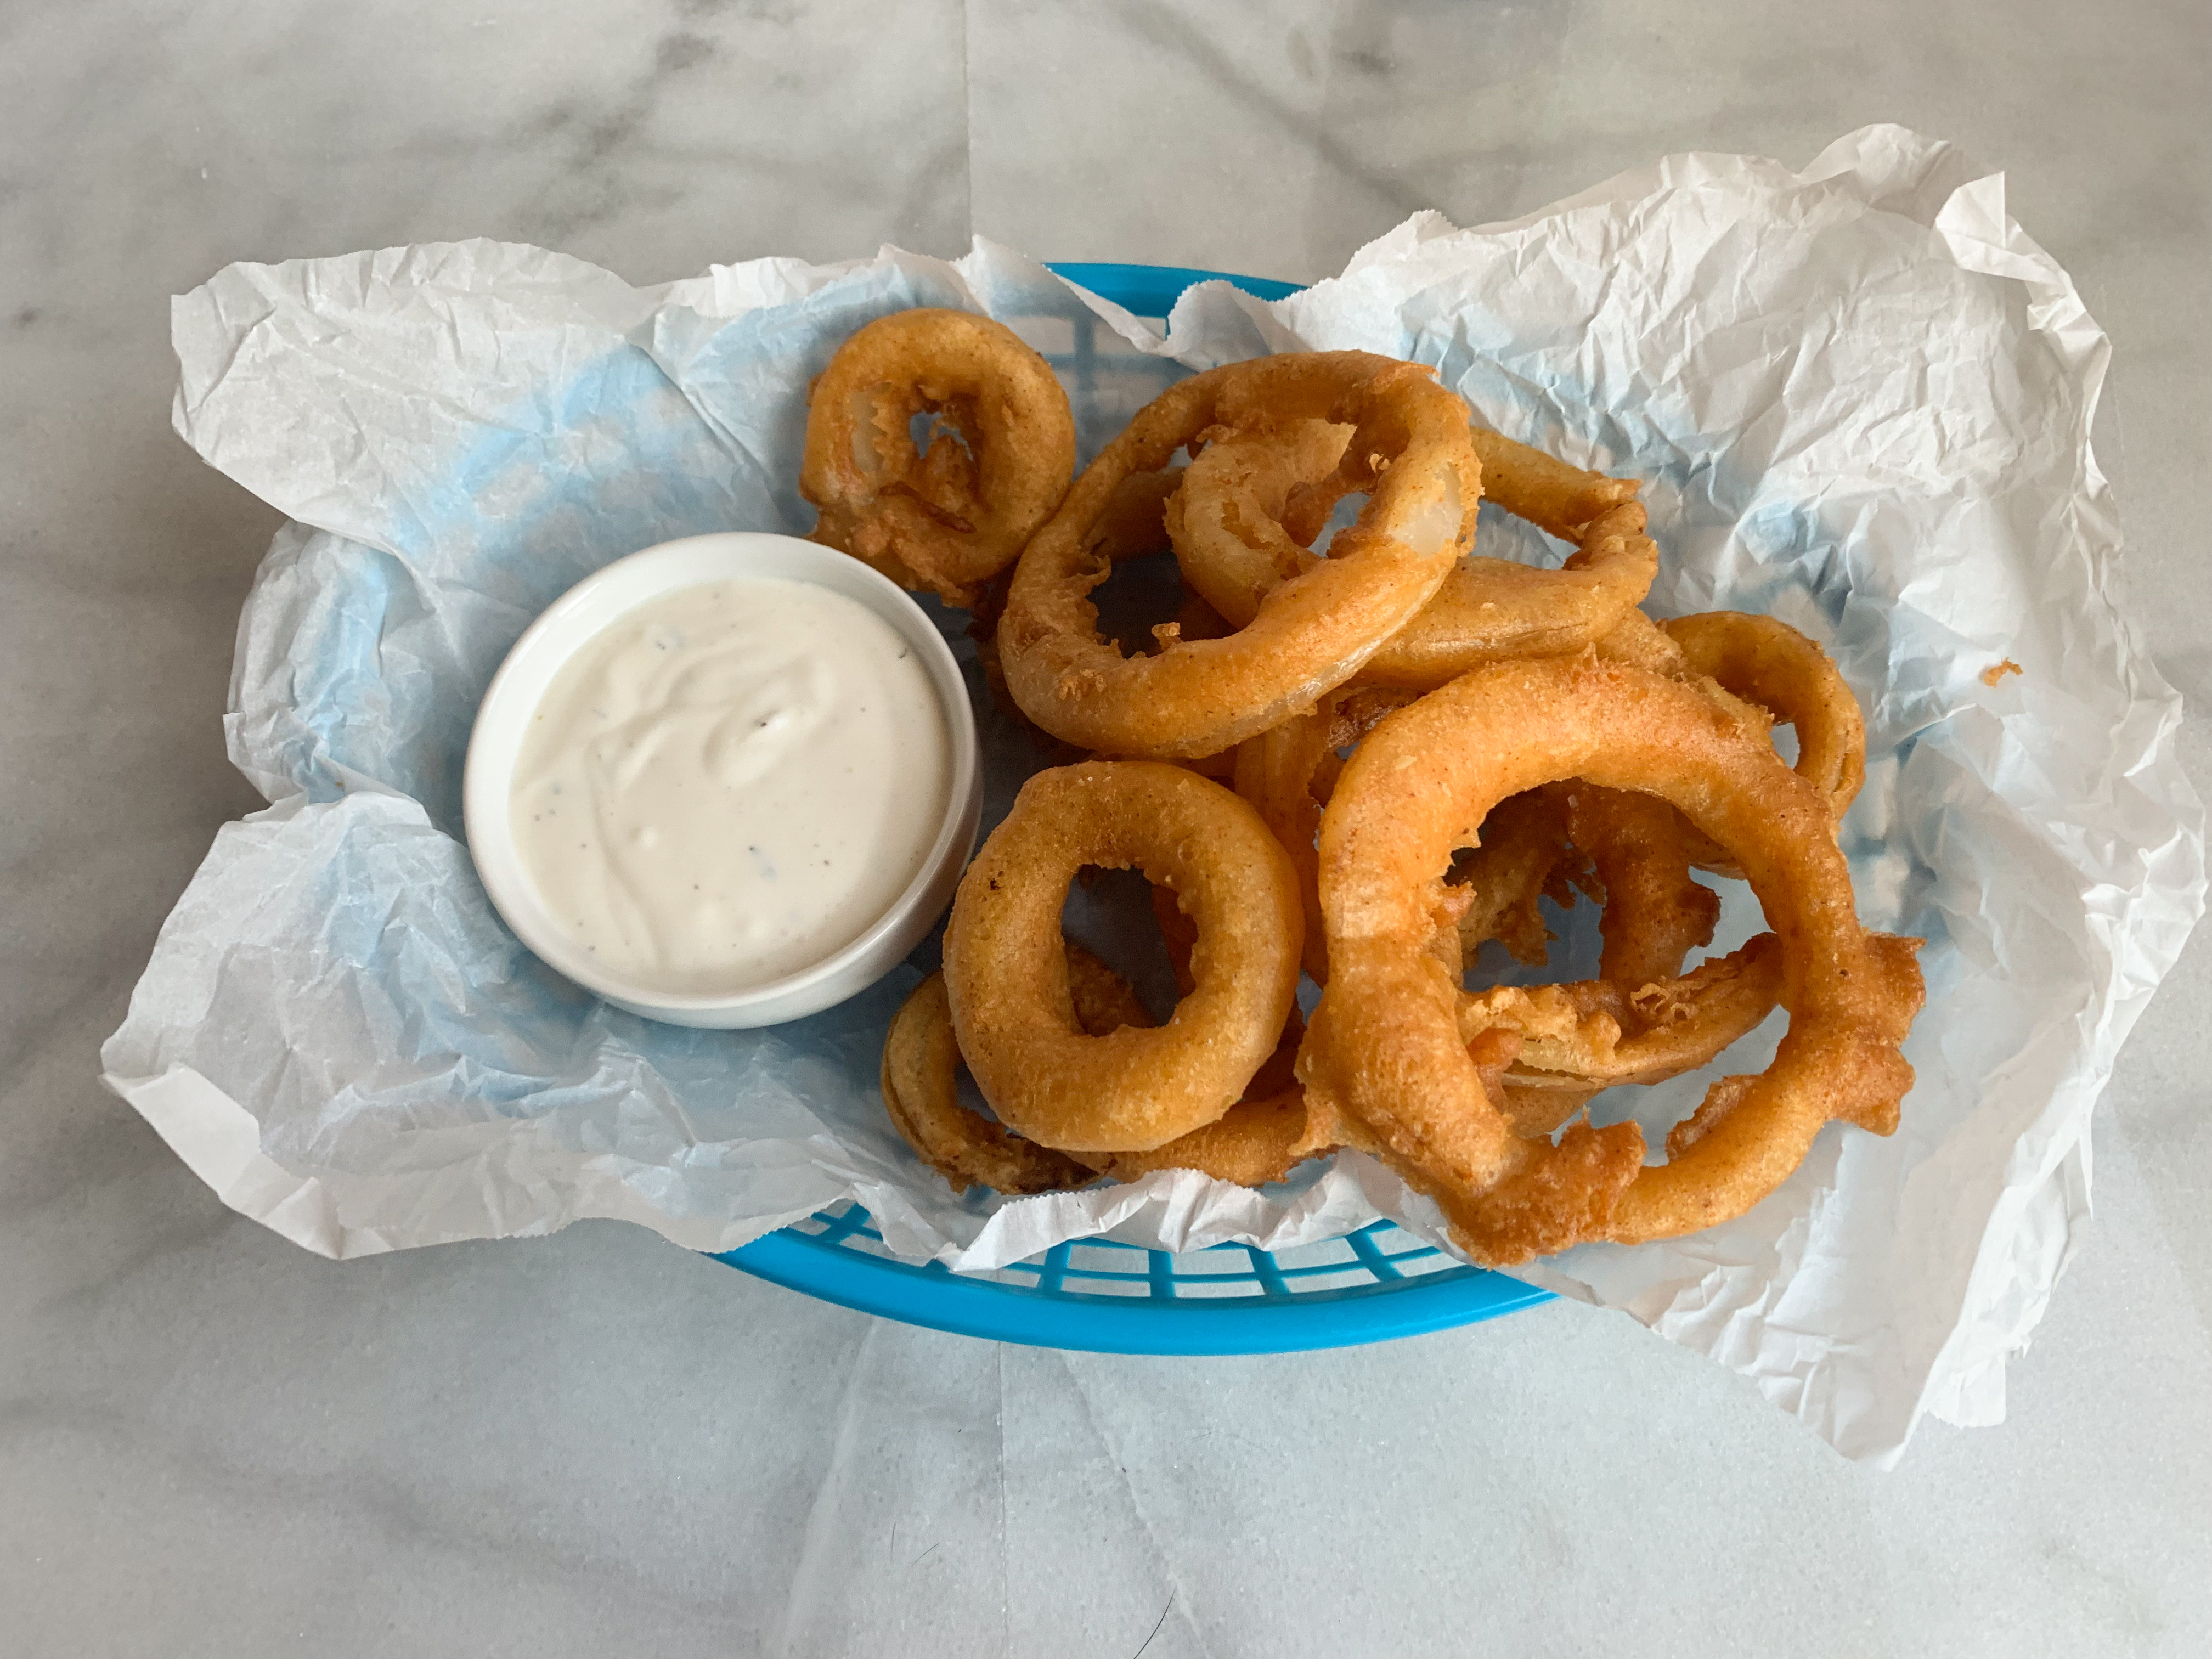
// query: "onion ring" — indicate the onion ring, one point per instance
point(1006, 968)
point(920, 1092)
point(1594, 1034)
point(1275, 772)
point(1254, 503)
point(1224, 519)
point(1655, 912)
point(1251, 1143)
point(1765, 661)
point(1287, 773)
point(1257, 1140)
point(1489, 609)
point(1313, 632)
point(1387, 1048)
point(950, 518)
point(1762, 669)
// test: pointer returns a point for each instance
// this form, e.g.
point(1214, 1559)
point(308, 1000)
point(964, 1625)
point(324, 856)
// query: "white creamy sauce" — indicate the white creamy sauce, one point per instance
point(730, 783)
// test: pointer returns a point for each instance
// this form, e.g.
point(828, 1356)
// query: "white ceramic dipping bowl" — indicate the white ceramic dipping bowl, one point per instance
point(576, 617)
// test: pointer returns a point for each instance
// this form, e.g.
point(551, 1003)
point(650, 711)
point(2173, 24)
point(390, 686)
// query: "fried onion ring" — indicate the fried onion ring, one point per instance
point(920, 1092)
point(1765, 661)
point(1006, 968)
point(955, 516)
point(1250, 1143)
point(1255, 1141)
point(1593, 1034)
point(1387, 1048)
point(1312, 633)
point(1287, 773)
point(1224, 519)
point(1655, 912)
point(1254, 503)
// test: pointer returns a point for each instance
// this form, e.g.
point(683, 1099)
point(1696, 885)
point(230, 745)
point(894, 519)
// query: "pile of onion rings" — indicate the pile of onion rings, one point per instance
point(1350, 764)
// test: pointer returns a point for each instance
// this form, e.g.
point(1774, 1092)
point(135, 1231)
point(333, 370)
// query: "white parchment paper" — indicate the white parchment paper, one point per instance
point(1859, 398)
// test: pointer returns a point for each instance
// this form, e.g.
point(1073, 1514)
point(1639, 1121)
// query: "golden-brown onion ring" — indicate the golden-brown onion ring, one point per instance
point(920, 1092)
point(1489, 608)
point(1275, 772)
point(1006, 968)
point(1259, 1140)
point(1386, 1046)
point(950, 518)
point(1255, 1141)
point(1250, 1143)
point(1224, 521)
point(1595, 1034)
point(1763, 660)
point(1559, 499)
point(1655, 912)
point(1254, 503)
point(1287, 773)
point(1312, 634)
point(1524, 853)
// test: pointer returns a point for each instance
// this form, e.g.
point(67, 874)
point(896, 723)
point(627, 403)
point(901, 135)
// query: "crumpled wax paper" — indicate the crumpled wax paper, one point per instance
point(1859, 398)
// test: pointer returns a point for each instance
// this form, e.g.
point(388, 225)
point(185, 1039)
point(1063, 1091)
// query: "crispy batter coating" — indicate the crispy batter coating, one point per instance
point(1387, 1047)
point(1005, 966)
point(1200, 697)
point(1257, 1140)
point(1763, 660)
point(1520, 732)
point(1523, 853)
point(952, 517)
point(1655, 912)
point(1252, 506)
point(920, 1092)
point(1251, 1144)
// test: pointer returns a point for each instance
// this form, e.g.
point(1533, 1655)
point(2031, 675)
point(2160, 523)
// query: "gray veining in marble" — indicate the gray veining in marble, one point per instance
point(212, 1442)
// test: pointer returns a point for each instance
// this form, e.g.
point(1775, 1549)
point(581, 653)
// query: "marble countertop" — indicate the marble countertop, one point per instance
point(214, 1442)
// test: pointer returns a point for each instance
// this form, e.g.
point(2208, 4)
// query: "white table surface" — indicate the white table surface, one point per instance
point(213, 1442)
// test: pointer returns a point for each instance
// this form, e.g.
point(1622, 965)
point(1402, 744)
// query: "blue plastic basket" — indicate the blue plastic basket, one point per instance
point(1368, 1287)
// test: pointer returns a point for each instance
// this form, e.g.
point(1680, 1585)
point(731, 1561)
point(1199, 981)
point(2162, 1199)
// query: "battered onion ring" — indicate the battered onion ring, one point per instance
point(1761, 670)
point(953, 517)
point(1130, 528)
point(1640, 1020)
point(1254, 503)
point(1595, 1033)
point(920, 1092)
point(1489, 609)
point(1224, 521)
point(1255, 1141)
point(1621, 849)
point(1259, 1140)
point(1655, 912)
point(1287, 773)
point(1313, 632)
point(1250, 1145)
point(1524, 852)
point(1006, 971)
point(1275, 772)
point(1387, 1048)
point(1763, 660)
point(1355, 711)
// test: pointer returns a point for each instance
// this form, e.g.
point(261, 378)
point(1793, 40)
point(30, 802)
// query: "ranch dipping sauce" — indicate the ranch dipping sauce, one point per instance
point(730, 783)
